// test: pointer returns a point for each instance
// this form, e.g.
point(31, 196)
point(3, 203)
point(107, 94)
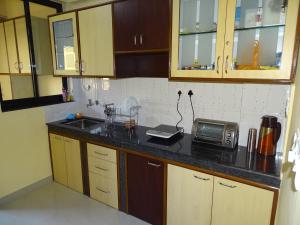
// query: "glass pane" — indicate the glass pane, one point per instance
point(47, 83)
point(64, 43)
point(259, 30)
point(197, 35)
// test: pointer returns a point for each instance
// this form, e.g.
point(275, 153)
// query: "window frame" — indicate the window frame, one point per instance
point(37, 100)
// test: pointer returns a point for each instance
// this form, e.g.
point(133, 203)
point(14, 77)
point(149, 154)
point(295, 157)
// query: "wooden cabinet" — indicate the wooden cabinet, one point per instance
point(10, 35)
point(145, 181)
point(189, 199)
point(64, 43)
point(235, 203)
point(96, 41)
point(232, 39)
point(4, 68)
point(103, 174)
point(66, 161)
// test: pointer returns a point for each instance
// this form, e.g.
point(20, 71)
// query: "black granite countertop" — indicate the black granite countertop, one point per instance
point(237, 163)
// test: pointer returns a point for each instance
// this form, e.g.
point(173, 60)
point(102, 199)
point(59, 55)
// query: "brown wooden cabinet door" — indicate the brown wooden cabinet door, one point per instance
point(154, 27)
point(145, 181)
point(125, 19)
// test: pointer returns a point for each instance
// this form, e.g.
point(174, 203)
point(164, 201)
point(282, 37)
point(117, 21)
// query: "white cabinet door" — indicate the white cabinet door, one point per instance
point(189, 197)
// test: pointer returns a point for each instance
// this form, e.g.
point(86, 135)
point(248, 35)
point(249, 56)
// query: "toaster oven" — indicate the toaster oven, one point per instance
point(215, 132)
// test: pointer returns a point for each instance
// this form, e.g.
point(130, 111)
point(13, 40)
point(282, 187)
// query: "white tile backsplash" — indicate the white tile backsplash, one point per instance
point(241, 103)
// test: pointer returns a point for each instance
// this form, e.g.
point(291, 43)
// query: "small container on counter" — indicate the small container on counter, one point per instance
point(251, 144)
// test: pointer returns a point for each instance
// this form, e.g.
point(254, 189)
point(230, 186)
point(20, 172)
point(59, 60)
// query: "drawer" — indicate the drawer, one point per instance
point(102, 167)
point(104, 189)
point(101, 152)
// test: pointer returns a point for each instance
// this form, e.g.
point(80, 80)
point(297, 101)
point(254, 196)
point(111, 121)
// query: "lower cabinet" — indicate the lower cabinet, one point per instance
point(103, 174)
point(145, 186)
point(197, 198)
point(66, 161)
point(235, 204)
point(189, 197)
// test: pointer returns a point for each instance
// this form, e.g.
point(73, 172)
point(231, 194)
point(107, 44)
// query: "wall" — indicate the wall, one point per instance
point(24, 151)
point(289, 201)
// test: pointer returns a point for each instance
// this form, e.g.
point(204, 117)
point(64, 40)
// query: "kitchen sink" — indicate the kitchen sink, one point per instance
point(84, 124)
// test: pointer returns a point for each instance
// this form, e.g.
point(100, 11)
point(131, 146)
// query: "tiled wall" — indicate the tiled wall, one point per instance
point(241, 103)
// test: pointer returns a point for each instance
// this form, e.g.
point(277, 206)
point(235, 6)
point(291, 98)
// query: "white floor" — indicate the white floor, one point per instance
point(57, 205)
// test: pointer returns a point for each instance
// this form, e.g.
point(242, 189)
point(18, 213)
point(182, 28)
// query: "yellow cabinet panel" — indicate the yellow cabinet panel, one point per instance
point(22, 43)
point(64, 44)
point(101, 152)
point(5, 84)
point(104, 189)
point(102, 167)
point(58, 155)
point(11, 46)
point(73, 159)
point(189, 197)
point(96, 41)
point(4, 68)
point(235, 204)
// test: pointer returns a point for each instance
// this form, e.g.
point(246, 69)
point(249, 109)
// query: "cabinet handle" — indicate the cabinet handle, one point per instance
point(201, 178)
point(100, 153)
point(21, 65)
point(226, 64)
point(135, 40)
point(67, 141)
point(154, 165)
point(82, 66)
point(218, 60)
point(77, 66)
point(141, 39)
point(227, 185)
point(100, 168)
point(17, 66)
point(105, 192)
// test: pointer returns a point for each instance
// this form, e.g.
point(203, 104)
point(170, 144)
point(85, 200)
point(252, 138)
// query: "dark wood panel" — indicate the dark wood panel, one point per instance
point(145, 183)
point(154, 24)
point(142, 65)
point(125, 25)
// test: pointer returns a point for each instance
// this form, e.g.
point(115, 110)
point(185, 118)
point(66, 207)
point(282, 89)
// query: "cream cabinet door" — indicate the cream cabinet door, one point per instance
point(96, 41)
point(64, 44)
point(5, 84)
point(58, 155)
point(4, 68)
point(235, 204)
point(11, 46)
point(73, 159)
point(189, 197)
point(260, 47)
point(198, 30)
point(22, 43)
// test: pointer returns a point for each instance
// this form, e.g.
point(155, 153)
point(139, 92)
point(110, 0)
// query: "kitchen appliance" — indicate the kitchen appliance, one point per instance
point(215, 132)
point(269, 134)
point(164, 131)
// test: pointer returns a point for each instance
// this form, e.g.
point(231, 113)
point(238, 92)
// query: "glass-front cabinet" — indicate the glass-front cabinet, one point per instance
point(234, 39)
point(64, 44)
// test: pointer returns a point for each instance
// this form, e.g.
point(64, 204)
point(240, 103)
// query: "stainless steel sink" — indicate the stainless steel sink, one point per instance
point(84, 124)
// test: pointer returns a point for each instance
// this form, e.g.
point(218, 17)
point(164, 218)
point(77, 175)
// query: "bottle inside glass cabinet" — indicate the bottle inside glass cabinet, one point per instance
point(258, 34)
point(197, 34)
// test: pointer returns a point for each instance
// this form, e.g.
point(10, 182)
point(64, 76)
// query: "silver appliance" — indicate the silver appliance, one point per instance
point(215, 132)
point(164, 131)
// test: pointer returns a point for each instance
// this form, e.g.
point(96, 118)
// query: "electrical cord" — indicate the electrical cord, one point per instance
point(190, 93)
point(181, 117)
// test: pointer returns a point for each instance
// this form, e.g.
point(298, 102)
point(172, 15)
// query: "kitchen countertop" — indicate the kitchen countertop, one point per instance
point(237, 163)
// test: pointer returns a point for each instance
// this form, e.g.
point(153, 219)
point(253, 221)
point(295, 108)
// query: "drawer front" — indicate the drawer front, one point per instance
point(101, 153)
point(104, 189)
point(102, 167)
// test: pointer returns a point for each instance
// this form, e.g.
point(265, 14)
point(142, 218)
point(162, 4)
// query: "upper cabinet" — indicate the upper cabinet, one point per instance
point(64, 41)
point(141, 25)
point(82, 42)
point(234, 39)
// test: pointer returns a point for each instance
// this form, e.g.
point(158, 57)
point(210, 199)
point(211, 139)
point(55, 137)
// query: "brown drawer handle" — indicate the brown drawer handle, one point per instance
point(227, 185)
point(201, 178)
point(154, 165)
point(105, 192)
point(100, 153)
point(100, 168)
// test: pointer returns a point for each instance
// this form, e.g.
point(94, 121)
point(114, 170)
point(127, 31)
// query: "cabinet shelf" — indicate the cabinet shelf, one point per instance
point(259, 27)
point(198, 32)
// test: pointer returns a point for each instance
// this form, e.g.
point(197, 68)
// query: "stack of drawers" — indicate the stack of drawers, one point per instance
point(103, 174)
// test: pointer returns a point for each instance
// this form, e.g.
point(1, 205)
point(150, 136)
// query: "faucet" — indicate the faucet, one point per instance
point(90, 103)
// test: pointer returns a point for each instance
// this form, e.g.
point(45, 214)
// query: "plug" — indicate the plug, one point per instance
point(190, 93)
